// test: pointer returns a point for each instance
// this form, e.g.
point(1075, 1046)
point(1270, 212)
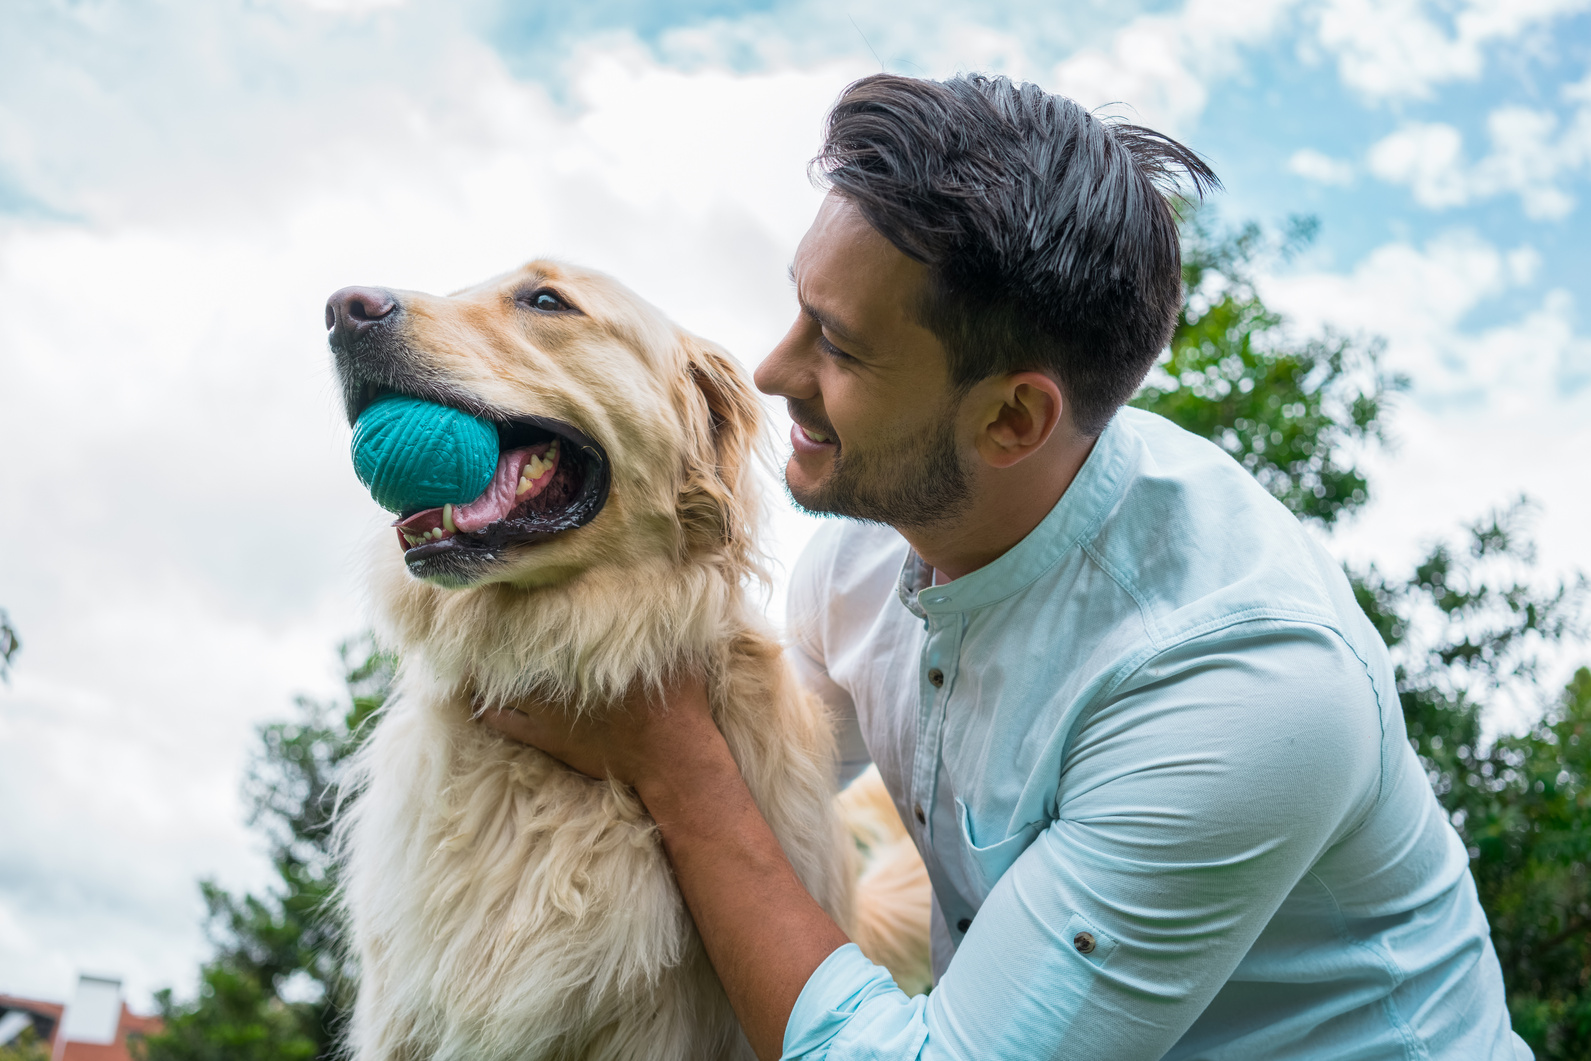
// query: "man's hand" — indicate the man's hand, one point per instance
point(635, 741)
point(763, 932)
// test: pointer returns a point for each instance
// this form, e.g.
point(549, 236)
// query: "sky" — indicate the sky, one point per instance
point(183, 183)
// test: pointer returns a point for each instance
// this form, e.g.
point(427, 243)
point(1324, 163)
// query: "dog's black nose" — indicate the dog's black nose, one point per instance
point(355, 310)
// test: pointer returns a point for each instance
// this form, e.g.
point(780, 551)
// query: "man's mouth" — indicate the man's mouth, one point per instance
point(814, 434)
point(810, 439)
point(550, 478)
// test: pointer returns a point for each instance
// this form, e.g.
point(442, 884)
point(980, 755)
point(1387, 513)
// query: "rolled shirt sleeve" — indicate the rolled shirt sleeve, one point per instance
point(1191, 801)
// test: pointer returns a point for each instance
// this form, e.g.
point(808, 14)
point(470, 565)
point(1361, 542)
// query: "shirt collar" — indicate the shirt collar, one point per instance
point(1075, 518)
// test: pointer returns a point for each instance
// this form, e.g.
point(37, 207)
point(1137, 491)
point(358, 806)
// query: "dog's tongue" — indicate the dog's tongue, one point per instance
point(499, 497)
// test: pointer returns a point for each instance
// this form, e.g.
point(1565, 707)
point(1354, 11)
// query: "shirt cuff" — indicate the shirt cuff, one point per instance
point(837, 991)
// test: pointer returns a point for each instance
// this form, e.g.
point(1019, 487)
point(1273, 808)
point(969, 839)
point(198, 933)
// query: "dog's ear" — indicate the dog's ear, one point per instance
point(717, 504)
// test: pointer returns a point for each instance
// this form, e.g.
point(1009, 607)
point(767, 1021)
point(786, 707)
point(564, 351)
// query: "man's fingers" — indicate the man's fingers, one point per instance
point(515, 725)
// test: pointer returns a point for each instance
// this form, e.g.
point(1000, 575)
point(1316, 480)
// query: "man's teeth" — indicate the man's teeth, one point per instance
point(536, 467)
point(816, 436)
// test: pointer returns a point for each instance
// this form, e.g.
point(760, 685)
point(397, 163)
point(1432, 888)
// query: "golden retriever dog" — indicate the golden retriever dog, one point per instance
point(501, 905)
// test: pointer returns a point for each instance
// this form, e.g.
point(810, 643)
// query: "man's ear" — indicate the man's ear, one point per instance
point(1017, 414)
point(717, 500)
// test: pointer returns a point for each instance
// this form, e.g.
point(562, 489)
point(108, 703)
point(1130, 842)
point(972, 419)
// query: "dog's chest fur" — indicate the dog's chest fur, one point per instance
point(503, 906)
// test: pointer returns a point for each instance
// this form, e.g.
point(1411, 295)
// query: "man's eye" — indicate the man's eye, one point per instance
point(546, 300)
point(832, 350)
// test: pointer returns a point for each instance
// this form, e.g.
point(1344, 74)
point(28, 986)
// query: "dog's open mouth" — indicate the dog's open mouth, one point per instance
point(550, 478)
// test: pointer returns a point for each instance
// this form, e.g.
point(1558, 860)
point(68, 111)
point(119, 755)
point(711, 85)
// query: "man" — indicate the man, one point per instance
point(1148, 745)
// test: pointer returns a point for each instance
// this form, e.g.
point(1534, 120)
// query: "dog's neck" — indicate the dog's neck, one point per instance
point(584, 641)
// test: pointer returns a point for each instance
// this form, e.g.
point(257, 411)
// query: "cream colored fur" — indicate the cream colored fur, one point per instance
point(889, 920)
point(500, 905)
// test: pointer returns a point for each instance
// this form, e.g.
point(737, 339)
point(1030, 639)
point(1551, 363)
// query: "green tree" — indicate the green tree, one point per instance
point(1294, 412)
point(25, 1047)
point(1469, 627)
point(1469, 631)
point(280, 974)
point(9, 644)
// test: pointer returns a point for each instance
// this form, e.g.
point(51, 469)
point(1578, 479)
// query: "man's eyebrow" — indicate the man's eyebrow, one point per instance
point(828, 323)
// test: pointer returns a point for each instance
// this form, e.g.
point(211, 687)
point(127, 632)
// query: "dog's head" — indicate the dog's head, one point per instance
point(621, 436)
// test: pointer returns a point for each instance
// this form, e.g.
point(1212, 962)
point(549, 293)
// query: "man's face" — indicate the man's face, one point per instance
point(868, 387)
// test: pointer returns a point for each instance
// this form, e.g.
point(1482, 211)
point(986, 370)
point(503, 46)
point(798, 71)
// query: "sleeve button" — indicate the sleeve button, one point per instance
point(917, 812)
point(936, 678)
point(1084, 942)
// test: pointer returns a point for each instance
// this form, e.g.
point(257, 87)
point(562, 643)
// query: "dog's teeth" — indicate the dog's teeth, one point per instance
point(447, 519)
point(535, 468)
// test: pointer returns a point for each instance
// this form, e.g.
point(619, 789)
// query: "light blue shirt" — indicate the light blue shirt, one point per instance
point(1154, 759)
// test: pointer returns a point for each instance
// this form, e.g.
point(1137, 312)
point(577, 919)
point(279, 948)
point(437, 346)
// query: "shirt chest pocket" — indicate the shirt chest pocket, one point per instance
point(987, 862)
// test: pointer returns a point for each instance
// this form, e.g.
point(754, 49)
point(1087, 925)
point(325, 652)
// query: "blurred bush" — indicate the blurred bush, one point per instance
point(280, 976)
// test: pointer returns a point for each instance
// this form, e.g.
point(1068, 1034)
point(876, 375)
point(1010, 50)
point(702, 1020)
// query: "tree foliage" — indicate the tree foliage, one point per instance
point(1294, 412)
point(1468, 632)
point(280, 974)
point(9, 644)
point(25, 1047)
point(1469, 628)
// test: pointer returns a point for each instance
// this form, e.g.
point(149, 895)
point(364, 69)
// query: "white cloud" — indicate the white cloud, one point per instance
point(1419, 299)
point(168, 386)
point(1321, 168)
point(1162, 66)
point(1428, 157)
point(1495, 410)
point(1523, 263)
point(1530, 157)
point(1404, 49)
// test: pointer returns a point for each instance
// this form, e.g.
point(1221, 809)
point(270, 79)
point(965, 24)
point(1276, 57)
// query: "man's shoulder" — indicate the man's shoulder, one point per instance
point(848, 565)
point(1194, 533)
point(843, 550)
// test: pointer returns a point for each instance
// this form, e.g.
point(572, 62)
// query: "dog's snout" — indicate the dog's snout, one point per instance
point(355, 310)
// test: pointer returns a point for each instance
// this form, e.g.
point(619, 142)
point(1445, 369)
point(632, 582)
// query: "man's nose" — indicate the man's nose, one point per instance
point(784, 373)
point(353, 311)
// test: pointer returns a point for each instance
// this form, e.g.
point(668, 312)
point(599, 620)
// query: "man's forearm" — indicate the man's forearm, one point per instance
point(763, 932)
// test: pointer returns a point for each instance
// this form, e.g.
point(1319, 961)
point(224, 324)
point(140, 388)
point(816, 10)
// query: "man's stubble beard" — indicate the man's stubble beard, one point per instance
point(916, 482)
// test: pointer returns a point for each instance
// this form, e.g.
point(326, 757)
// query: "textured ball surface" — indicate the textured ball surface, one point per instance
point(414, 454)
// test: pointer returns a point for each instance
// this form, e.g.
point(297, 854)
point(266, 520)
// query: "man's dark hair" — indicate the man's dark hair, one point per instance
point(1049, 240)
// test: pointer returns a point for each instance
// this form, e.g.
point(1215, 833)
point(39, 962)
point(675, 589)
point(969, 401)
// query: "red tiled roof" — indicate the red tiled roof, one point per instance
point(51, 1010)
point(130, 1023)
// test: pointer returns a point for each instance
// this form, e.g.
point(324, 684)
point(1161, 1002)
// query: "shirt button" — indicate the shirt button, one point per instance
point(922, 819)
point(936, 677)
point(1084, 942)
point(964, 924)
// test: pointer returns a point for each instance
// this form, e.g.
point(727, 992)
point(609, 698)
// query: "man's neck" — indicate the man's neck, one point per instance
point(1006, 504)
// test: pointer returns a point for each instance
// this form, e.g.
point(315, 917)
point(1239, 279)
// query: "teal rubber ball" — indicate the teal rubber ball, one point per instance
point(414, 454)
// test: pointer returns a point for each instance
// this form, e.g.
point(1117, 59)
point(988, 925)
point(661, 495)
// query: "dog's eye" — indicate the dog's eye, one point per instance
point(545, 300)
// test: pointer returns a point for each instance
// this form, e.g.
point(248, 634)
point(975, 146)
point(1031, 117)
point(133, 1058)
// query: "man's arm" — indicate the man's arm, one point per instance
point(763, 933)
point(1193, 802)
